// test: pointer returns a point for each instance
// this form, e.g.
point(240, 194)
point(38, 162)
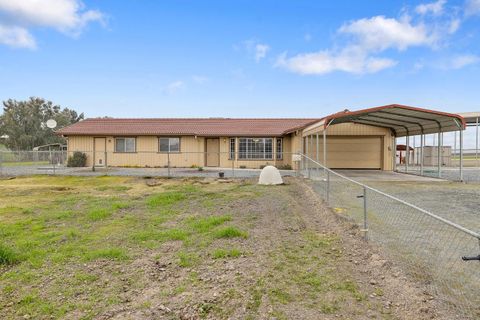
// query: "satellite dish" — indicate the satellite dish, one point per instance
point(51, 123)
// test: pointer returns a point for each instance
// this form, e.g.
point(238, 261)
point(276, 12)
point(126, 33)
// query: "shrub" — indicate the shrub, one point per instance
point(78, 159)
point(284, 167)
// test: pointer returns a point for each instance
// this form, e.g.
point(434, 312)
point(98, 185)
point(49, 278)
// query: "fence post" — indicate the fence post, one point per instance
point(106, 163)
point(365, 221)
point(233, 166)
point(327, 189)
point(168, 163)
point(308, 169)
point(1, 163)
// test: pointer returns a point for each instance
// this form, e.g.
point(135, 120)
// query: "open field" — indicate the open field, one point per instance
point(133, 248)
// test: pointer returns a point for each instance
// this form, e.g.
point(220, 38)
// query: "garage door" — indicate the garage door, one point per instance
point(354, 152)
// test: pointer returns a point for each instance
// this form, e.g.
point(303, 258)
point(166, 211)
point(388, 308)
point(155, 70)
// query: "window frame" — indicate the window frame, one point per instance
point(279, 154)
point(125, 145)
point(170, 145)
point(251, 154)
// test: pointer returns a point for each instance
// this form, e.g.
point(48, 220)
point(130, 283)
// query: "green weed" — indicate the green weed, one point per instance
point(165, 199)
point(230, 232)
point(7, 255)
point(223, 253)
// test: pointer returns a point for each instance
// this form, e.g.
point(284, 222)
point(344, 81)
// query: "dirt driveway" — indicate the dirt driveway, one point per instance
point(300, 261)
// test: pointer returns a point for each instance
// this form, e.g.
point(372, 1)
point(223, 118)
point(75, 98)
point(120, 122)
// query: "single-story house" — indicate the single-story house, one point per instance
point(363, 139)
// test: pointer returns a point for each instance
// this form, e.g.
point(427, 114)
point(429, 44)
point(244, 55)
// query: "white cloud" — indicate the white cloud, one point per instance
point(66, 16)
point(257, 49)
point(453, 26)
point(380, 33)
point(464, 60)
point(351, 60)
point(16, 37)
point(261, 51)
point(435, 8)
point(173, 87)
point(200, 79)
point(368, 38)
point(472, 7)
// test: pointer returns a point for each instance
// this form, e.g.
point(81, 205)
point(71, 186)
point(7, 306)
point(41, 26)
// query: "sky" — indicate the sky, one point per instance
point(270, 58)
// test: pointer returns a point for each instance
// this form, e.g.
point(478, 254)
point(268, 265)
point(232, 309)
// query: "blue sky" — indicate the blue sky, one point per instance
point(240, 58)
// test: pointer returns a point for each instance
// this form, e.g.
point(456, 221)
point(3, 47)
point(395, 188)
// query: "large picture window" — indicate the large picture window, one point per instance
point(255, 148)
point(279, 154)
point(169, 144)
point(125, 144)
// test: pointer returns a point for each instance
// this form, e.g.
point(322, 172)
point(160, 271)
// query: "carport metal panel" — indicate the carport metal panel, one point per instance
point(402, 120)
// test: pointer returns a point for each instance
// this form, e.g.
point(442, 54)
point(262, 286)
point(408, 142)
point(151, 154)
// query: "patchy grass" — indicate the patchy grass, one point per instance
point(165, 199)
point(230, 232)
point(206, 224)
point(57, 231)
point(226, 253)
point(80, 247)
point(187, 259)
point(7, 255)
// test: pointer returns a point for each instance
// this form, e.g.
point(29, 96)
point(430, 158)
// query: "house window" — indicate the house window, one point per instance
point(231, 156)
point(125, 144)
point(169, 144)
point(279, 154)
point(255, 148)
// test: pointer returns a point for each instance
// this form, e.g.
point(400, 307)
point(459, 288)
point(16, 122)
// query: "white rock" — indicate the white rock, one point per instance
point(270, 176)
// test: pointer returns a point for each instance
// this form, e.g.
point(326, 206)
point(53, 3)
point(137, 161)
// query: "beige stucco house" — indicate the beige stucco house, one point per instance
point(363, 139)
point(212, 142)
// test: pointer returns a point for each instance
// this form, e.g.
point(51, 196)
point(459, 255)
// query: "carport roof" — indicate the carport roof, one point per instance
point(402, 120)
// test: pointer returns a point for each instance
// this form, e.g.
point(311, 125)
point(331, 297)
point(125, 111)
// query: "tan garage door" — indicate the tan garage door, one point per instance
point(354, 152)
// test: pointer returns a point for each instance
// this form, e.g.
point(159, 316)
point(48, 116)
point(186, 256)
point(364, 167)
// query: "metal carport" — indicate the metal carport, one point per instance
point(403, 121)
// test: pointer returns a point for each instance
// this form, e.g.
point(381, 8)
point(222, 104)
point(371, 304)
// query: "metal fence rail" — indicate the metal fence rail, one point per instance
point(146, 163)
point(428, 247)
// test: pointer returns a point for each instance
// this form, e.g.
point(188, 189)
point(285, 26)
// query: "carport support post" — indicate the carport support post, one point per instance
point(439, 154)
point(461, 155)
point(394, 158)
point(422, 141)
point(476, 142)
point(407, 153)
point(318, 154)
point(454, 143)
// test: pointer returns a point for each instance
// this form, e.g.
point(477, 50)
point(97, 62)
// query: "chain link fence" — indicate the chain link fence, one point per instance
point(428, 247)
point(145, 163)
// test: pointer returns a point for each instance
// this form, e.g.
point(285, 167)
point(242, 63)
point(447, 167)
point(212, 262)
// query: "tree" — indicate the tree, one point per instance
point(24, 122)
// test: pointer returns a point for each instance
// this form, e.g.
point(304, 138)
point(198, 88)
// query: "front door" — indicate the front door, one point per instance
point(213, 152)
point(99, 152)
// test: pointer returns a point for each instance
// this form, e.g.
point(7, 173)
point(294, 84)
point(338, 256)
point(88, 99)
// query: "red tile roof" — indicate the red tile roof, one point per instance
point(190, 126)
